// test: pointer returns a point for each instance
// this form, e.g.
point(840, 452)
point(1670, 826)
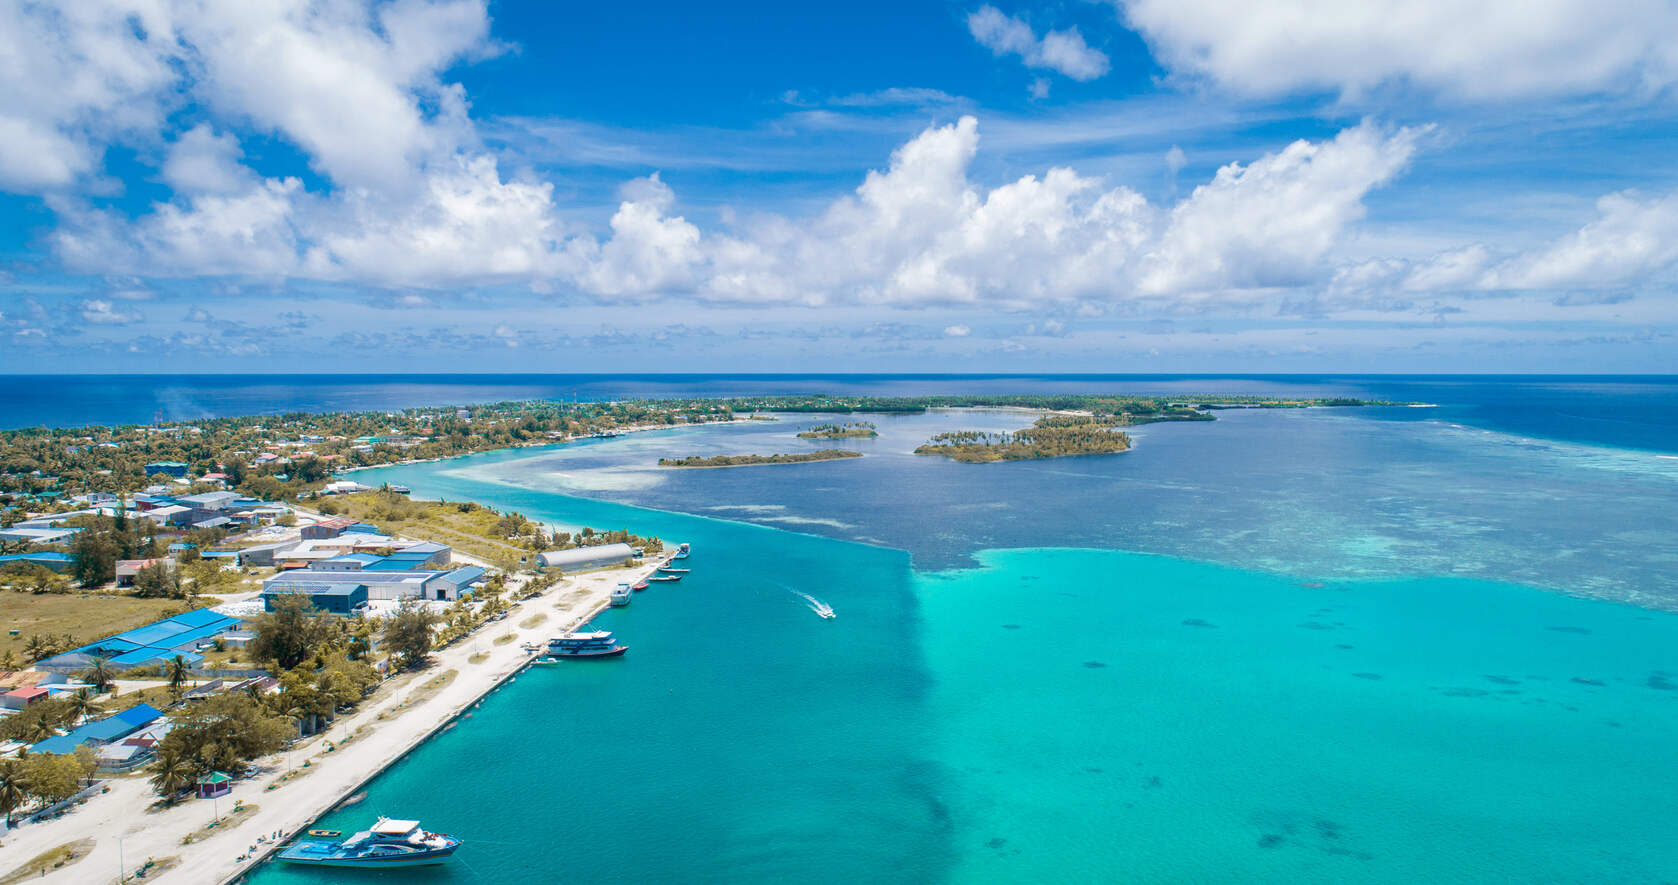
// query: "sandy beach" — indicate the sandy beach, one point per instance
point(127, 833)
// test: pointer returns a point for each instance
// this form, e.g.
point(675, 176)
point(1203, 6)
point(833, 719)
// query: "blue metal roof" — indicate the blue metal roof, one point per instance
point(53, 555)
point(106, 730)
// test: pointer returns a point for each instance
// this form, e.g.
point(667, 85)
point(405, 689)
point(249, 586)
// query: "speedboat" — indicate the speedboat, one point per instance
point(639, 586)
point(681, 551)
point(674, 571)
point(595, 644)
point(662, 578)
point(388, 843)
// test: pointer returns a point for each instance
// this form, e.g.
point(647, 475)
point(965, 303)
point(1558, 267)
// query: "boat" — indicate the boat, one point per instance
point(639, 586)
point(387, 843)
point(326, 834)
point(681, 551)
point(594, 644)
point(664, 577)
point(673, 571)
point(622, 595)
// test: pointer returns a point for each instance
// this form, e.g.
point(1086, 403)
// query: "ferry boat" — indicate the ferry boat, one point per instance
point(664, 577)
point(621, 596)
point(388, 843)
point(681, 551)
point(596, 644)
point(639, 586)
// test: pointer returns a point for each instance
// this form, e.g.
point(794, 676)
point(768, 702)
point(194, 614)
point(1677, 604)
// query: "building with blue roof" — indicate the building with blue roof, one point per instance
point(378, 583)
point(107, 730)
point(58, 562)
point(339, 599)
point(154, 643)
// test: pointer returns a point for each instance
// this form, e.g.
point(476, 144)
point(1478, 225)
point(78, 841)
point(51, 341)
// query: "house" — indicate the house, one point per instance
point(18, 698)
point(127, 569)
point(105, 731)
point(326, 528)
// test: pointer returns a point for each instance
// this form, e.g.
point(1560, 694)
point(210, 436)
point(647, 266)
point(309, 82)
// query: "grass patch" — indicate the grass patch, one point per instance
point(221, 824)
point(48, 861)
point(534, 620)
point(87, 616)
point(157, 867)
point(478, 657)
point(470, 531)
point(428, 689)
point(572, 598)
point(504, 638)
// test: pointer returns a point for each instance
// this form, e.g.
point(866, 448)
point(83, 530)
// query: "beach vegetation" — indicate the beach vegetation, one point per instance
point(221, 733)
point(1053, 436)
point(409, 636)
point(757, 460)
point(291, 631)
point(852, 430)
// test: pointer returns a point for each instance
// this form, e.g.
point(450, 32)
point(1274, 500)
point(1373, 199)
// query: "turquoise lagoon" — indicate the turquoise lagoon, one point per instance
point(1050, 715)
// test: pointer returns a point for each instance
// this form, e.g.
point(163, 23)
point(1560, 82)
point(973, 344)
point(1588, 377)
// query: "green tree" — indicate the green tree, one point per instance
point(409, 635)
point(157, 581)
point(82, 705)
point(94, 556)
point(98, 674)
point(291, 632)
point(14, 789)
point(170, 773)
point(177, 676)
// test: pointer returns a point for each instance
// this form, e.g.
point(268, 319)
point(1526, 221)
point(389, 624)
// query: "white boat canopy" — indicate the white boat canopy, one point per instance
point(395, 827)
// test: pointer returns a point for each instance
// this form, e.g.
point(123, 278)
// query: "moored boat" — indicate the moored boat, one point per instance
point(681, 551)
point(639, 586)
point(621, 596)
point(664, 577)
point(673, 571)
point(593, 644)
point(388, 843)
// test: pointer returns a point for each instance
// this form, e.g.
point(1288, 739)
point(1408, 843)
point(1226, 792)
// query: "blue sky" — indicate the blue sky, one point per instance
point(1134, 185)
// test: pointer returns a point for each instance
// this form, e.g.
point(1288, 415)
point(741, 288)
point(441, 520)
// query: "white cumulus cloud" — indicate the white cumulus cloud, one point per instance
point(1061, 51)
point(1482, 50)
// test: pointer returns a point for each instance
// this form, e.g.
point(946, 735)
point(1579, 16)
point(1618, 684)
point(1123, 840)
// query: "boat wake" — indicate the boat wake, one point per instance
point(816, 605)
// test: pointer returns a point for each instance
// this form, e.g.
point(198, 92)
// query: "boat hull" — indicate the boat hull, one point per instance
point(605, 653)
point(418, 859)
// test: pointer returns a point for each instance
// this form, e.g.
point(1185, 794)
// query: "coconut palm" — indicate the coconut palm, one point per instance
point(13, 790)
point(82, 705)
point(36, 648)
point(170, 774)
point(177, 676)
point(98, 673)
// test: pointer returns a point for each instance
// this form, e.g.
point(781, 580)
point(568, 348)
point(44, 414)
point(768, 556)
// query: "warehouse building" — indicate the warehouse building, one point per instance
point(584, 558)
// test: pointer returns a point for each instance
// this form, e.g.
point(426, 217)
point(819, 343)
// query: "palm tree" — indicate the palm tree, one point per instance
point(82, 706)
point(12, 788)
point(36, 648)
point(177, 676)
point(170, 774)
point(98, 673)
point(8, 661)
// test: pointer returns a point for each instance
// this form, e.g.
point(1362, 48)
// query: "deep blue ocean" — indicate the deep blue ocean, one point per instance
point(1309, 646)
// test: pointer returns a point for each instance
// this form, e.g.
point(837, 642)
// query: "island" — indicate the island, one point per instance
point(757, 460)
point(1052, 436)
point(856, 430)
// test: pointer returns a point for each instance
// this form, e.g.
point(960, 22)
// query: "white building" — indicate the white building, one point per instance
point(583, 558)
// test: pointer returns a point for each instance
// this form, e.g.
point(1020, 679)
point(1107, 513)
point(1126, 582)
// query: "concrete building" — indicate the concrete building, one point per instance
point(209, 500)
point(379, 584)
point(583, 558)
point(339, 599)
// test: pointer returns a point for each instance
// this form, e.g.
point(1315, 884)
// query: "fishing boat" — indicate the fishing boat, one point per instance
point(387, 843)
point(621, 596)
point(594, 644)
point(673, 571)
point(681, 551)
point(662, 578)
point(639, 586)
